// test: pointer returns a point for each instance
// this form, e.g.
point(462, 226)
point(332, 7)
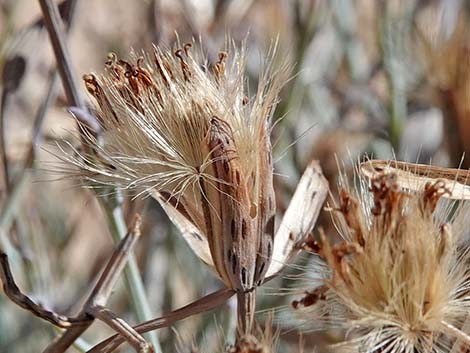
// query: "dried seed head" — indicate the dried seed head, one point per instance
point(184, 132)
point(181, 130)
point(263, 341)
point(399, 281)
point(248, 344)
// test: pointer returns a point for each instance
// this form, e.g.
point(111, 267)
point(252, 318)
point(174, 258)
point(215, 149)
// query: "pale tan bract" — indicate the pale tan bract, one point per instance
point(184, 131)
point(414, 177)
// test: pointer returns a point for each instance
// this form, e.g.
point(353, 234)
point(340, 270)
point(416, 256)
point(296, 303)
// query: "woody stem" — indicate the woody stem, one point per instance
point(246, 303)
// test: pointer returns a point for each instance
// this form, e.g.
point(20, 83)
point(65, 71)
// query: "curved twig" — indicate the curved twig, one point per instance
point(14, 293)
point(206, 303)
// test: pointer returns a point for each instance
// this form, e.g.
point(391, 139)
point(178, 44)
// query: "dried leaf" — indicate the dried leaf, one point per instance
point(300, 216)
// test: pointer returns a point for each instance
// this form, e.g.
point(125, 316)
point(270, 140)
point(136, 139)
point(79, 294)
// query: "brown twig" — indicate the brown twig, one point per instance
point(12, 75)
point(98, 297)
point(102, 290)
point(206, 303)
point(14, 293)
point(12, 190)
point(56, 33)
point(54, 27)
point(126, 330)
point(61, 343)
point(67, 9)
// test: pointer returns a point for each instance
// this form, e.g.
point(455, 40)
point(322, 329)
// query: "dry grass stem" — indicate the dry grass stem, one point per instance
point(202, 305)
point(101, 293)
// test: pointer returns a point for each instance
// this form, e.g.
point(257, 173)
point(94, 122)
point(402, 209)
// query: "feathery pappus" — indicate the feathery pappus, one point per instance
point(398, 282)
point(184, 131)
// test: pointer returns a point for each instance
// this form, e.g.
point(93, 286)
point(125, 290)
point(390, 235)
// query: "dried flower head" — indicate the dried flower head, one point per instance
point(263, 341)
point(399, 281)
point(184, 131)
point(249, 344)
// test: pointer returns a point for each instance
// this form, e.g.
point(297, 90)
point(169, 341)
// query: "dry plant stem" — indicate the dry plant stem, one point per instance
point(5, 187)
point(133, 281)
point(23, 180)
point(51, 90)
point(62, 343)
point(209, 302)
point(454, 331)
point(8, 212)
point(41, 114)
point(80, 345)
point(12, 75)
point(101, 292)
point(56, 32)
point(54, 27)
point(14, 293)
point(119, 325)
point(131, 271)
point(246, 302)
point(459, 342)
point(103, 289)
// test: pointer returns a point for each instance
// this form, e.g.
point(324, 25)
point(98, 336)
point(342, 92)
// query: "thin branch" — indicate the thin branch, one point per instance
point(55, 28)
point(455, 332)
point(67, 9)
point(126, 331)
point(14, 293)
point(61, 343)
point(98, 297)
point(51, 93)
point(102, 290)
point(22, 181)
point(12, 75)
point(80, 344)
point(132, 275)
point(206, 303)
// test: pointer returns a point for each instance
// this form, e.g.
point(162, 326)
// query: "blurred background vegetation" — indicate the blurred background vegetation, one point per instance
point(386, 78)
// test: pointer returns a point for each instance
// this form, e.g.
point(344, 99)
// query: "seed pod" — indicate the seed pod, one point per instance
point(185, 133)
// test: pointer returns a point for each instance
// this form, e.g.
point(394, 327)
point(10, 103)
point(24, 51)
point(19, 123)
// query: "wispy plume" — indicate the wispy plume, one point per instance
point(399, 280)
point(184, 131)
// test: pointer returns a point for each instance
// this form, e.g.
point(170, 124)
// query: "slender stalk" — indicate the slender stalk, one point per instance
point(21, 182)
point(454, 331)
point(204, 304)
point(395, 64)
point(7, 215)
point(3, 153)
point(100, 294)
point(115, 216)
point(55, 27)
point(126, 330)
point(132, 276)
point(68, 338)
point(80, 344)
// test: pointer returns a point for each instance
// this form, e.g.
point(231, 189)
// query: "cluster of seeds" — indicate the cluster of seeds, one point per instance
point(399, 281)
